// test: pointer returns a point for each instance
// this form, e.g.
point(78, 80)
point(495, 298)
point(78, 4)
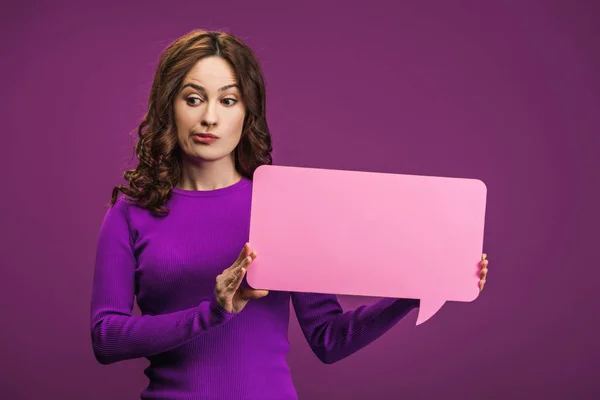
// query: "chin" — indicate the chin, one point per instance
point(205, 155)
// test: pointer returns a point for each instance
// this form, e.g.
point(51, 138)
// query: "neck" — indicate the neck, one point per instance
point(208, 175)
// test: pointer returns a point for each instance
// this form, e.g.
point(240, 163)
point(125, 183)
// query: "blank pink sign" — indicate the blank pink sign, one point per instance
point(367, 234)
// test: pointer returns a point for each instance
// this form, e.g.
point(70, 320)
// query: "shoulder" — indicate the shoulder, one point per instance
point(121, 206)
point(129, 212)
point(116, 209)
point(120, 212)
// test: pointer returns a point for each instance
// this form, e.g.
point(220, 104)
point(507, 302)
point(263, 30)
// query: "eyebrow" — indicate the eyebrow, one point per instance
point(201, 88)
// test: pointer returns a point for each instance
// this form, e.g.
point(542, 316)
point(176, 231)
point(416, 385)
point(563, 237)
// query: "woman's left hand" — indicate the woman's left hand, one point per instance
point(483, 272)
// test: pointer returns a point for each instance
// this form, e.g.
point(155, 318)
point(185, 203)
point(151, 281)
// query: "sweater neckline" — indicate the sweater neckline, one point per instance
point(243, 182)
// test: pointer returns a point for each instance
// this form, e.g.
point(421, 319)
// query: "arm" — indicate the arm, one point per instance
point(333, 334)
point(116, 334)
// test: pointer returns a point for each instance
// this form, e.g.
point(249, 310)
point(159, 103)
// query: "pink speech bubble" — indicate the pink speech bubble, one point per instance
point(367, 234)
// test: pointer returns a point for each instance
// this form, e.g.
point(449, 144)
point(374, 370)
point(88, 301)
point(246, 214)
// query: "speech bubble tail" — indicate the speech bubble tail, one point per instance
point(428, 308)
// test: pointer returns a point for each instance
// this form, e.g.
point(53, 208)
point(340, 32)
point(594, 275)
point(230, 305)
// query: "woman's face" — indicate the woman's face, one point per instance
point(208, 102)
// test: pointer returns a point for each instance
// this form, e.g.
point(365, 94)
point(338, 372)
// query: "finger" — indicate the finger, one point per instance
point(253, 254)
point(481, 284)
point(243, 254)
point(253, 294)
point(247, 261)
point(238, 274)
point(483, 257)
point(483, 274)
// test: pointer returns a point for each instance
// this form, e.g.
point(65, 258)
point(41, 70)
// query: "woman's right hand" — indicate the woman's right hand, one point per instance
point(227, 289)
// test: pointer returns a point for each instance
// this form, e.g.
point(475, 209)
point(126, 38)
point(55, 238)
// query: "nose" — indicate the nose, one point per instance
point(210, 117)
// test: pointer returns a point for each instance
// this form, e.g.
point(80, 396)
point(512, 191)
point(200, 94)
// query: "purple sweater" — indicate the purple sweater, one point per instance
point(196, 349)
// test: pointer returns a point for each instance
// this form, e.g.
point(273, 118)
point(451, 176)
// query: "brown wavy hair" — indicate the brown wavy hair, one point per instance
point(159, 168)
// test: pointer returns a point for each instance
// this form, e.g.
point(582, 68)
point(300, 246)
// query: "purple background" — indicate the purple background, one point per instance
point(506, 93)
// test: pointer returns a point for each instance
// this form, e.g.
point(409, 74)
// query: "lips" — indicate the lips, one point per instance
point(206, 135)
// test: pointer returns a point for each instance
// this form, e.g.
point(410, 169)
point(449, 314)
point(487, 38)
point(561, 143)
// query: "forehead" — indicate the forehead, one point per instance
point(211, 72)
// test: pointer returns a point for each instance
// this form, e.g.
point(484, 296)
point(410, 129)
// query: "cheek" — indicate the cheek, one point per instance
point(184, 114)
point(177, 117)
point(240, 121)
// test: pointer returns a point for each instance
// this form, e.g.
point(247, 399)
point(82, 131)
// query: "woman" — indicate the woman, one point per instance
point(176, 240)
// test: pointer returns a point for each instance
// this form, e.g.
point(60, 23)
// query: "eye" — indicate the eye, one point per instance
point(192, 98)
point(233, 100)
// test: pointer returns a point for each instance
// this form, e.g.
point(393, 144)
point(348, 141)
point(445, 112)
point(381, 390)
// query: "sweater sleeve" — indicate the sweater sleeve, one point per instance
point(333, 334)
point(118, 335)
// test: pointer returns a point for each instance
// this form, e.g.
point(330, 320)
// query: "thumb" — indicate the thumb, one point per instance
point(252, 294)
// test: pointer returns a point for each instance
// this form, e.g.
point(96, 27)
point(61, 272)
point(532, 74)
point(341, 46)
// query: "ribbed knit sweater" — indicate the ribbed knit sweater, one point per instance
point(196, 349)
